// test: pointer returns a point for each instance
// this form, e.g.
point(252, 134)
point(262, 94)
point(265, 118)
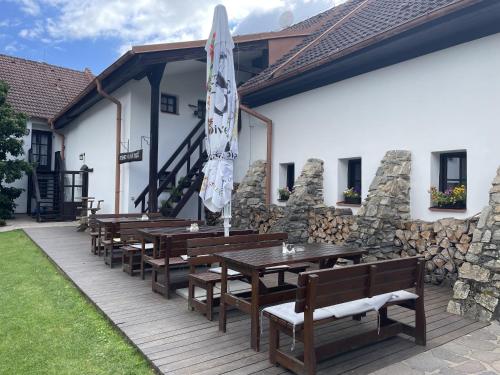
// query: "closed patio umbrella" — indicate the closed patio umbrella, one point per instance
point(221, 119)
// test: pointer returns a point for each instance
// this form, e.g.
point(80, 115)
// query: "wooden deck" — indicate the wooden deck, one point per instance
point(177, 341)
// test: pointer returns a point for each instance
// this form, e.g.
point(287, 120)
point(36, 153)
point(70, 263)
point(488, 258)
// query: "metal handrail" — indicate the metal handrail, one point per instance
point(184, 143)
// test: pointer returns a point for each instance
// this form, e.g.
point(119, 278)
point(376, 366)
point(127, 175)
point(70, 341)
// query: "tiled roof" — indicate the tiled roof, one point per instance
point(342, 28)
point(38, 89)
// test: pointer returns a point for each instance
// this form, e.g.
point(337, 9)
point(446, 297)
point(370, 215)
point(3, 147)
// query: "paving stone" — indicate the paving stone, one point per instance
point(426, 362)
point(470, 367)
point(449, 371)
point(483, 334)
point(398, 369)
point(447, 355)
point(457, 349)
point(476, 344)
point(487, 357)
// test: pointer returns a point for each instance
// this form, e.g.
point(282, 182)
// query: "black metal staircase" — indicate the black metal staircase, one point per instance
point(55, 194)
point(181, 175)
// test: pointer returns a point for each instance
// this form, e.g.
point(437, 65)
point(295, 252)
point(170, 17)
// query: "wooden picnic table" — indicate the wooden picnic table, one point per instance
point(109, 226)
point(155, 235)
point(253, 263)
point(169, 245)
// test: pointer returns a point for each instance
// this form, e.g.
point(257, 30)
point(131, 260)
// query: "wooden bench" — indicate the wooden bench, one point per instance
point(95, 234)
point(113, 247)
point(359, 288)
point(170, 256)
point(201, 252)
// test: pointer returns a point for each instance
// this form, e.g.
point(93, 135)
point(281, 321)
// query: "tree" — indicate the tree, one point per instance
point(12, 129)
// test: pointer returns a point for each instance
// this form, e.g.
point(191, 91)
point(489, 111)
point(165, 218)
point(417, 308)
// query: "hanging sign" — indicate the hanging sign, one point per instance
point(127, 157)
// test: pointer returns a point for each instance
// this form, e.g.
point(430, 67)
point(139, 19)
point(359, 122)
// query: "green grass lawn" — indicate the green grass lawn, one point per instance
point(47, 326)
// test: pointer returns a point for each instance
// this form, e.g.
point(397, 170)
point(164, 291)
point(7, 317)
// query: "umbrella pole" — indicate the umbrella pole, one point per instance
point(226, 214)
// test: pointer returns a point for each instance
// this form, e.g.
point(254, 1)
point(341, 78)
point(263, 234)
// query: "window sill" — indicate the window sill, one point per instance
point(342, 203)
point(439, 209)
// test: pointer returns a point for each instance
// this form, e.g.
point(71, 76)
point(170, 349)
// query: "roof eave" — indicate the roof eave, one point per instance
point(447, 10)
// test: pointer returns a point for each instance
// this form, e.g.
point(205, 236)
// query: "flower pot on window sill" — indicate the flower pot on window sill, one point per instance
point(456, 206)
point(352, 200)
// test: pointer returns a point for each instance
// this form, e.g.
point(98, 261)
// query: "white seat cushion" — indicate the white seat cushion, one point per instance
point(147, 246)
point(199, 293)
point(219, 270)
point(236, 286)
point(286, 311)
point(277, 267)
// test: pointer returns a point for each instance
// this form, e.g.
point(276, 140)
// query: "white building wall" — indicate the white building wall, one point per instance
point(22, 183)
point(93, 134)
point(189, 87)
point(447, 100)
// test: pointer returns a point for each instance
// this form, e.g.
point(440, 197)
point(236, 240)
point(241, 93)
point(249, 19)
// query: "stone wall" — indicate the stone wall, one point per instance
point(385, 208)
point(249, 208)
point(443, 243)
point(307, 194)
point(476, 292)
point(249, 200)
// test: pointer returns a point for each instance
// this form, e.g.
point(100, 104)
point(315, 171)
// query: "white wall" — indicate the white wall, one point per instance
point(93, 133)
point(252, 144)
point(189, 87)
point(22, 183)
point(448, 100)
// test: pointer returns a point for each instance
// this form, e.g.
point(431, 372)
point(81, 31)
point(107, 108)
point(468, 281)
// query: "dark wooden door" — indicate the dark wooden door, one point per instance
point(41, 149)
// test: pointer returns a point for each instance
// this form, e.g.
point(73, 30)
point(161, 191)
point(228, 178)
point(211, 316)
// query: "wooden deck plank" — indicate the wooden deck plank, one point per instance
point(178, 341)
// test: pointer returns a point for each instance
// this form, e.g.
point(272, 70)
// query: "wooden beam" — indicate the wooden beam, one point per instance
point(154, 77)
point(269, 148)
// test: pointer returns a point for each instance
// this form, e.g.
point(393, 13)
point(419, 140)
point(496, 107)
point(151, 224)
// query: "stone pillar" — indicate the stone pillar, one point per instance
point(249, 201)
point(307, 194)
point(385, 208)
point(476, 292)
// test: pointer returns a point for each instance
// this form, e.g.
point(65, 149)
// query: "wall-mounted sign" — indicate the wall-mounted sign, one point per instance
point(127, 157)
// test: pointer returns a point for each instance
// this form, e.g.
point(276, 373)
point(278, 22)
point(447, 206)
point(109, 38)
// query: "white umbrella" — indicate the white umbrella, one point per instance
point(221, 119)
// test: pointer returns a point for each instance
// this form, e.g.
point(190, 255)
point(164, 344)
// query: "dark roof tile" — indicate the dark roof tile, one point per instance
point(38, 89)
point(370, 19)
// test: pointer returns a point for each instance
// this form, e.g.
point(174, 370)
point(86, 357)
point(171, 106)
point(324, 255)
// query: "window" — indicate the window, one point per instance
point(287, 175)
point(452, 170)
point(290, 176)
point(448, 180)
point(169, 104)
point(354, 175)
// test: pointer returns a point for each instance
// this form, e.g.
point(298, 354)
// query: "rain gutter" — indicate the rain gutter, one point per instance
point(117, 141)
point(61, 135)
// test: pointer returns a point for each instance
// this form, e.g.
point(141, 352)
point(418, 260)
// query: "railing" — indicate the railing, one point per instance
point(36, 188)
point(189, 146)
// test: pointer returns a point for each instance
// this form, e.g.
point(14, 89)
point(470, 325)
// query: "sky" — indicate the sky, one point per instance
point(81, 34)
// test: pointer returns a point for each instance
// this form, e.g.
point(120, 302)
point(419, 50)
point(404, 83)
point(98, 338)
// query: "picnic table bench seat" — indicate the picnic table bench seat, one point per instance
point(201, 252)
point(164, 258)
point(127, 235)
point(327, 295)
point(96, 232)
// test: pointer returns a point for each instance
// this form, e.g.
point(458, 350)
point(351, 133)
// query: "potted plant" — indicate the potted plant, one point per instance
point(283, 194)
point(454, 198)
point(166, 208)
point(352, 196)
point(175, 194)
point(184, 183)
